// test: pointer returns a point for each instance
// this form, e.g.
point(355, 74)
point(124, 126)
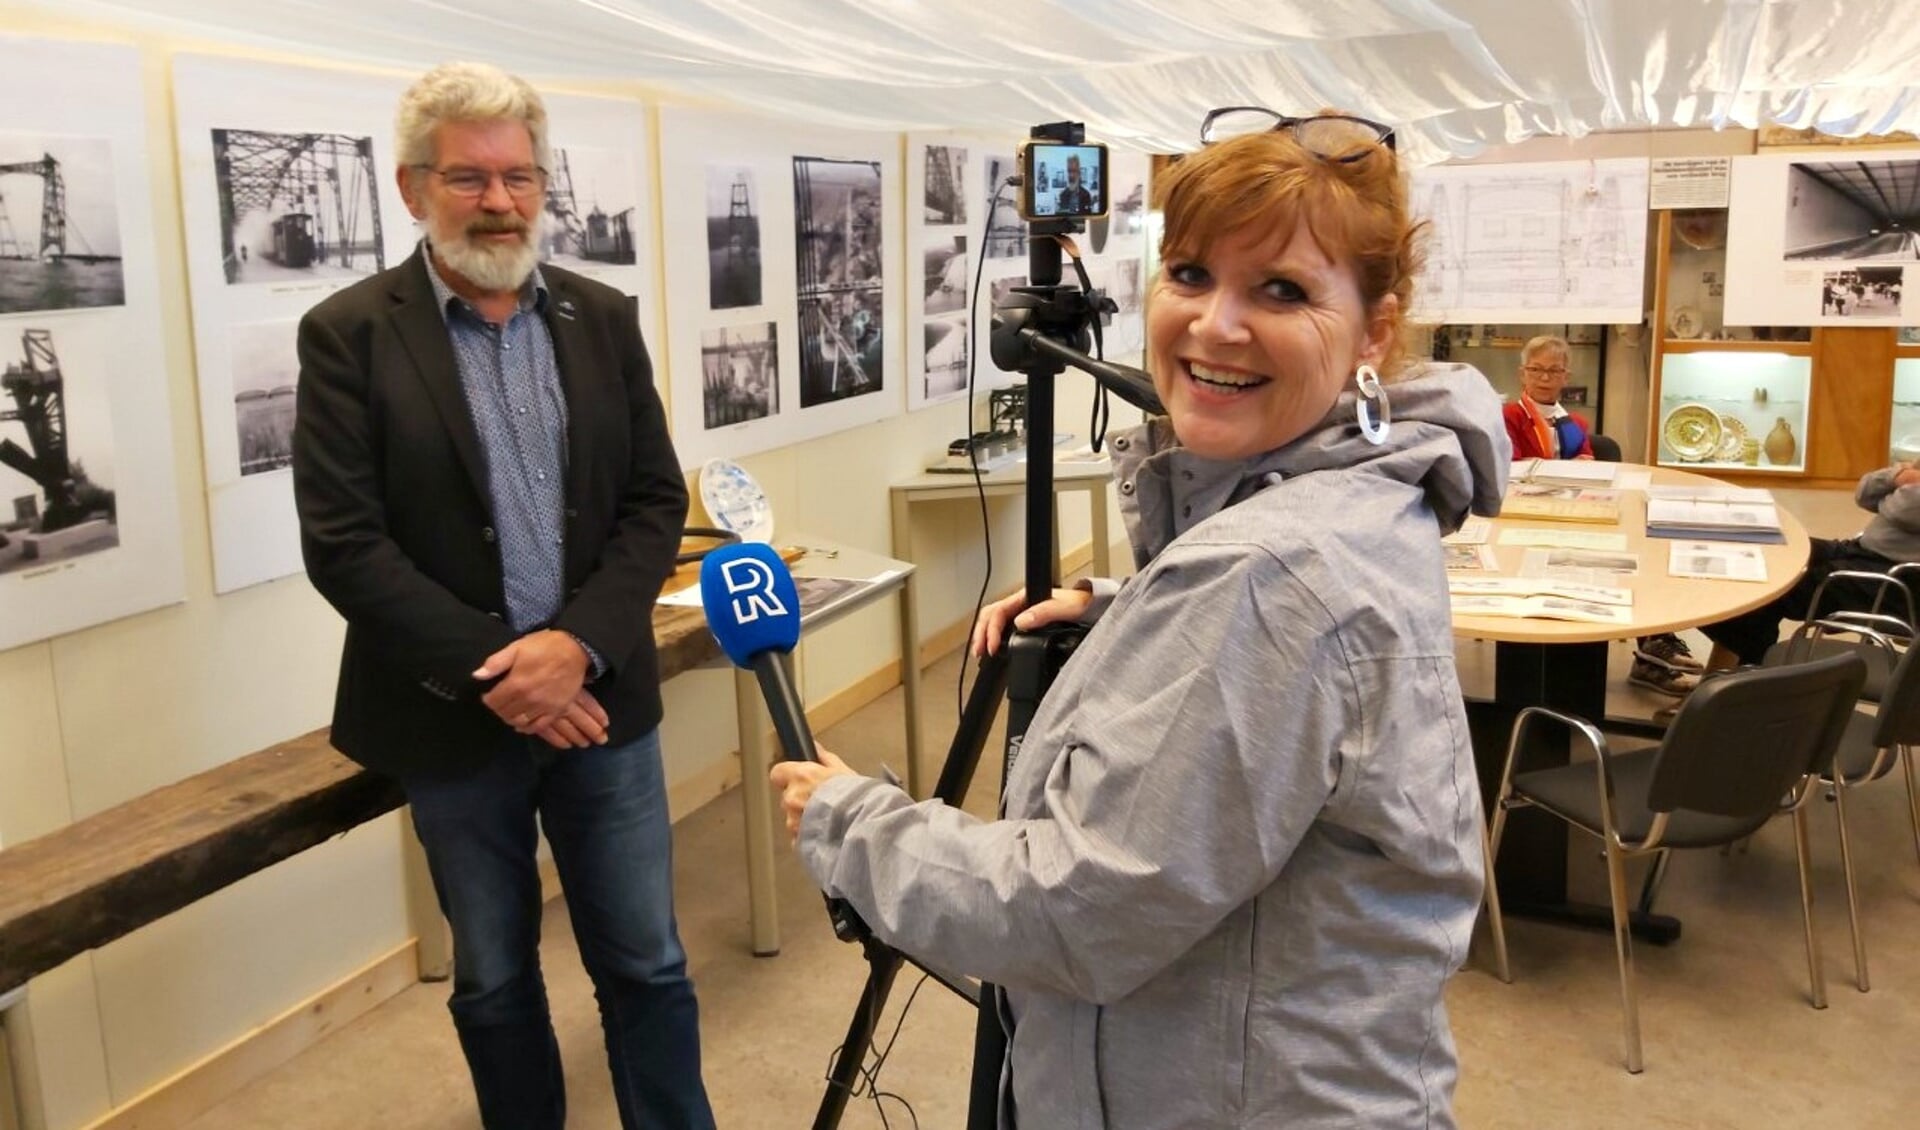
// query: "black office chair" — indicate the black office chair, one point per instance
point(1890, 613)
point(1737, 746)
point(1871, 745)
point(1605, 448)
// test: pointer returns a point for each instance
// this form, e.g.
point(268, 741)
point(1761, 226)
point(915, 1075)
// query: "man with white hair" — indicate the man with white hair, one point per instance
point(488, 495)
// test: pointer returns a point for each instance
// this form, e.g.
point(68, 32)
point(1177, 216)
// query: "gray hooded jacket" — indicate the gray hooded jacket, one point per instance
point(1241, 853)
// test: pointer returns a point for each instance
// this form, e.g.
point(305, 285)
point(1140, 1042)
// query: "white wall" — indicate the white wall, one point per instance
point(98, 717)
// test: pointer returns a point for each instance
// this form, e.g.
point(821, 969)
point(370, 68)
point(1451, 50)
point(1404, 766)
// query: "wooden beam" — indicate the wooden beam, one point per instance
point(105, 876)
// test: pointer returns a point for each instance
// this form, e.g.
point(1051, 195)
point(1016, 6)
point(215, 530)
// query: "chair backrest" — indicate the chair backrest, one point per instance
point(1898, 719)
point(1605, 448)
point(1742, 741)
point(1892, 598)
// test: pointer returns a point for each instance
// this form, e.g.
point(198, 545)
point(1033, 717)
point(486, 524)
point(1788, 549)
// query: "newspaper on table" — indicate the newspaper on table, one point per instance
point(1566, 472)
point(1474, 531)
point(1565, 538)
point(1470, 558)
point(1716, 561)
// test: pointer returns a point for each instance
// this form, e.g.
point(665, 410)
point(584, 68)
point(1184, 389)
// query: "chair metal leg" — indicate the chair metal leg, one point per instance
point(1656, 875)
point(1853, 898)
point(1495, 923)
point(1623, 947)
point(1814, 975)
point(1913, 797)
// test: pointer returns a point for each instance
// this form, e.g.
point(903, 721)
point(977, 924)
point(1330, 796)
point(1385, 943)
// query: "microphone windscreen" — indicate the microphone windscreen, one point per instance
point(750, 600)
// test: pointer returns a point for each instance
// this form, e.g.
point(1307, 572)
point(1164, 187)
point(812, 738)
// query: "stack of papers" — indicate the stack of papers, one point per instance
point(1540, 598)
point(1725, 514)
point(1565, 472)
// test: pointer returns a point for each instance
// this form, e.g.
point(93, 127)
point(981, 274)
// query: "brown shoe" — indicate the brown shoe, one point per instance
point(1661, 679)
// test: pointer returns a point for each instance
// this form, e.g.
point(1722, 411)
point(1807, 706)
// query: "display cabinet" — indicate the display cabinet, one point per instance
point(1760, 404)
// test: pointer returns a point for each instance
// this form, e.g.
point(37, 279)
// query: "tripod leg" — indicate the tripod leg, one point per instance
point(883, 965)
point(989, 1058)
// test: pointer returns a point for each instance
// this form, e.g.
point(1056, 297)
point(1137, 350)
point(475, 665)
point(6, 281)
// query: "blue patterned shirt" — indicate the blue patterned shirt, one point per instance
point(512, 384)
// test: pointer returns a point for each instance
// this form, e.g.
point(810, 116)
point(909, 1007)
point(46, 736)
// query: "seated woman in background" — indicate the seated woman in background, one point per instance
point(1542, 428)
point(1241, 851)
point(1537, 423)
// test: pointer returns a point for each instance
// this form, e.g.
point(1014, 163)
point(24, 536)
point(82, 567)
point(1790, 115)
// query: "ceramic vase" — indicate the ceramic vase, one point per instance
point(1779, 445)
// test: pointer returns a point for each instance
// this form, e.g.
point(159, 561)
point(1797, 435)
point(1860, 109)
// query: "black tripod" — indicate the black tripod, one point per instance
point(1038, 330)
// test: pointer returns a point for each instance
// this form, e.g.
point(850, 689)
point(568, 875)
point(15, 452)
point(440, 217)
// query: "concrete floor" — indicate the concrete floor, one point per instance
point(1730, 1039)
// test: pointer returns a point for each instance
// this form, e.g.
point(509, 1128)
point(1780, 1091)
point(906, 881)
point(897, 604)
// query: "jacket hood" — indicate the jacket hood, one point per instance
point(1445, 435)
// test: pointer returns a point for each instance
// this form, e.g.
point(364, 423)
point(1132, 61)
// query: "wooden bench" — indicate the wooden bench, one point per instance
point(104, 876)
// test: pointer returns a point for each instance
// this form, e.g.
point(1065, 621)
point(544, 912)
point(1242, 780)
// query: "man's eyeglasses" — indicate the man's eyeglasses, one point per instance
point(473, 183)
point(1544, 370)
point(1334, 137)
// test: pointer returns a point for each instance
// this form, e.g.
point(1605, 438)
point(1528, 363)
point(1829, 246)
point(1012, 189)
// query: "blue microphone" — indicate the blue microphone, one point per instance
point(754, 610)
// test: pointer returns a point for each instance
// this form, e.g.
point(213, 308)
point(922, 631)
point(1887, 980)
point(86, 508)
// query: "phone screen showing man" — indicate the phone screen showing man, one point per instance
point(1067, 182)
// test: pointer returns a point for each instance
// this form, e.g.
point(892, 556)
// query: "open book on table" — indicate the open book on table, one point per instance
point(1544, 598)
point(1715, 518)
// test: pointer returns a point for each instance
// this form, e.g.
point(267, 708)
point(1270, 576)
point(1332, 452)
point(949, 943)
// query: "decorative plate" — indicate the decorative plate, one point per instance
point(1685, 322)
point(735, 501)
point(1732, 435)
point(1692, 432)
point(1702, 231)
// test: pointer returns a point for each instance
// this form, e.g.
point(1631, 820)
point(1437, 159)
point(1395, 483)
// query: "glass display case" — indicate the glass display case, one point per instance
point(1744, 409)
point(1905, 433)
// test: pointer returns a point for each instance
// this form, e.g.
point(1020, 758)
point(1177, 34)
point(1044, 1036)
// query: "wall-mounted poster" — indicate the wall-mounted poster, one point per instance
point(59, 224)
point(784, 244)
point(1813, 241)
point(89, 521)
point(1558, 241)
point(289, 193)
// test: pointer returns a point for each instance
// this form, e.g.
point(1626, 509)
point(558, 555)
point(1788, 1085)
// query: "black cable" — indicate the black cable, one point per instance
point(973, 458)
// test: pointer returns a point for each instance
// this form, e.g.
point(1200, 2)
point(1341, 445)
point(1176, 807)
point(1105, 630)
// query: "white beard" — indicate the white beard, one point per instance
point(489, 266)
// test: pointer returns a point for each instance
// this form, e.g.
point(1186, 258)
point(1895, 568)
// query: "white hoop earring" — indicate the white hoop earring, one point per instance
point(1373, 425)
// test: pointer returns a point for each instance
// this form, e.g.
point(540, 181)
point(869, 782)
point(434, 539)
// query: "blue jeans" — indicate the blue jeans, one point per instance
point(604, 810)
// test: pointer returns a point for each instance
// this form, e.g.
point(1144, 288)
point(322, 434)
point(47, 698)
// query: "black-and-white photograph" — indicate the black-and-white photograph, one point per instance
point(946, 281)
point(296, 206)
point(998, 289)
point(1861, 292)
point(946, 345)
point(946, 201)
point(266, 368)
point(591, 199)
point(59, 225)
point(1125, 286)
point(56, 457)
point(733, 237)
point(1853, 210)
point(839, 260)
point(740, 373)
point(1007, 236)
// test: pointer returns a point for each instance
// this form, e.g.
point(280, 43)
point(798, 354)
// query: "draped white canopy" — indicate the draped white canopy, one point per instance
point(1452, 75)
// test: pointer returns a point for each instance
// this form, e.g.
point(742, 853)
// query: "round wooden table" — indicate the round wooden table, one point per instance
point(1563, 664)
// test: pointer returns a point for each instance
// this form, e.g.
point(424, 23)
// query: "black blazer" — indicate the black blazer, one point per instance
point(396, 521)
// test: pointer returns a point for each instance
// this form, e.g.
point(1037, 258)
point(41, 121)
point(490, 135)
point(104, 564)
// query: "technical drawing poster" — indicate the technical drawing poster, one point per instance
point(813, 219)
point(89, 520)
point(1562, 241)
point(288, 191)
point(1817, 242)
point(59, 224)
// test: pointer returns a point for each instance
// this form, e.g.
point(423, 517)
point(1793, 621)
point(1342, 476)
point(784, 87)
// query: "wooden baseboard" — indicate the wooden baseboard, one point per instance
point(178, 1100)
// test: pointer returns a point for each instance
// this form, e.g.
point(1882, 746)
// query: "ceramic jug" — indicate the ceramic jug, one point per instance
point(1779, 444)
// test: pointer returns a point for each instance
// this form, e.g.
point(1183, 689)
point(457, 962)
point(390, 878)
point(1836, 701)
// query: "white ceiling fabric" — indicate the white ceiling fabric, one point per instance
point(1452, 75)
